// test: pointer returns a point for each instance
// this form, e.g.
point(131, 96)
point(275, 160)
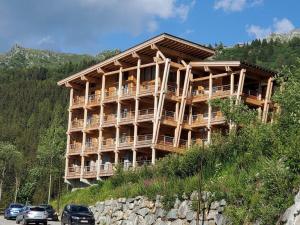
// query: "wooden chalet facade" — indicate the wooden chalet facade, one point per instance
point(152, 100)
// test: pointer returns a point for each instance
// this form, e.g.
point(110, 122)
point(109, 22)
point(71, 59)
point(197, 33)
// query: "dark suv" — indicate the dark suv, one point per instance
point(77, 215)
point(52, 215)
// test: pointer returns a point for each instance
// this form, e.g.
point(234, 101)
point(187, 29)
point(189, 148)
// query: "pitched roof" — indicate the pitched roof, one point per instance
point(165, 40)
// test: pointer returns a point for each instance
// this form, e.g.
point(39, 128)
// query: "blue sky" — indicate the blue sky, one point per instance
point(90, 26)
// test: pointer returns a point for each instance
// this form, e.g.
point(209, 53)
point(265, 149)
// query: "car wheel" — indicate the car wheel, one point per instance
point(45, 223)
point(24, 222)
point(17, 221)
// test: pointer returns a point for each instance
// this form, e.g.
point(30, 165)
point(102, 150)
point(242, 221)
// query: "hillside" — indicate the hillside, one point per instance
point(32, 106)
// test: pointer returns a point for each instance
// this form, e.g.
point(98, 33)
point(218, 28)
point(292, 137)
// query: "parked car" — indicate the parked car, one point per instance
point(12, 210)
point(77, 215)
point(32, 214)
point(52, 215)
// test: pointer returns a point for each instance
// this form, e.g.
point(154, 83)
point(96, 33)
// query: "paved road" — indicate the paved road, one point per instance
point(12, 222)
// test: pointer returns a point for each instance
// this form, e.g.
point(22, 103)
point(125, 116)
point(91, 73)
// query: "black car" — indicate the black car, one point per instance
point(52, 215)
point(77, 215)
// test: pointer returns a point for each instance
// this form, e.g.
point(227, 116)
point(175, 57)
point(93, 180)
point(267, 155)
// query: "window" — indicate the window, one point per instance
point(148, 74)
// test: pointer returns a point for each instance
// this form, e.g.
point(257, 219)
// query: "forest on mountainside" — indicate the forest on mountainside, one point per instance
point(33, 113)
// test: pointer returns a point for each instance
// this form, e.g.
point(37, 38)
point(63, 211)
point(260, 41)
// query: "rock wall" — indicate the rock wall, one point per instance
point(292, 214)
point(141, 211)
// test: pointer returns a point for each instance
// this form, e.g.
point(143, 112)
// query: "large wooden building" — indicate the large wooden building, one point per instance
point(151, 100)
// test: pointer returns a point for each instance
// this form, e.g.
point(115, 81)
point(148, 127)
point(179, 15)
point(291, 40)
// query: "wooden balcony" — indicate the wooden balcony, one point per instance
point(166, 143)
point(110, 96)
point(127, 117)
point(169, 118)
point(94, 100)
point(145, 115)
point(108, 144)
point(107, 169)
point(90, 171)
point(74, 172)
point(144, 140)
point(109, 120)
point(76, 125)
point(93, 123)
point(128, 92)
point(146, 89)
point(78, 101)
point(91, 147)
point(126, 142)
point(75, 149)
point(202, 119)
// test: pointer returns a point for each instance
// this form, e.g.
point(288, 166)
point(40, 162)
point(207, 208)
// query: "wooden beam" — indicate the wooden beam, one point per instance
point(90, 79)
point(74, 86)
point(121, 64)
point(100, 70)
point(175, 53)
point(142, 57)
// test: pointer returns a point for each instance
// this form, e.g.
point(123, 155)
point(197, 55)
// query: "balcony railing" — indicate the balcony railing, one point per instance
point(109, 119)
point(147, 89)
point(251, 93)
point(127, 92)
point(110, 95)
point(93, 123)
point(106, 169)
point(90, 171)
point(78, 101)
point(145, 114)
point(108, 144)
point(145, 139)
point(91, 147)
point(126, 141)
point(94, 99)
point(75, 148)
point(169, 115)
point(77, 124)
point(127, 116)
point(202, 119)
point(74, 171)
point(167, 143)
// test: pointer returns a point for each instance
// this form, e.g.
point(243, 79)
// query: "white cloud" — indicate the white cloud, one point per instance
point(80, 24)
point(279, 27)
point(283, 26)
point(236, 5)
point(258, 32)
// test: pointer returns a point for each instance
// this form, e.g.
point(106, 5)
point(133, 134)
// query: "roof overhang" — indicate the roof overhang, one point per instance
point(164, 41)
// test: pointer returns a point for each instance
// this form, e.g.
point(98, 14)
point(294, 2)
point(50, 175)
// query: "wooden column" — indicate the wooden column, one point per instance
point(190, 118)
point(86, 97)
point(101, 125)
point(68, 133)
point(177, 93)
point(209, 108)
point(136, 113)
point(231, 96)
point(259, 98)
point(240, 86)
point(118, 116)
point(267, 100)
point(153, 159)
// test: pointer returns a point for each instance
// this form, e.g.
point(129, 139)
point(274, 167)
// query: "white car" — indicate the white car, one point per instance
point(32, 214)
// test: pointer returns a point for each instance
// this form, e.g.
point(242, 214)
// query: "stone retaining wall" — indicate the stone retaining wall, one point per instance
point(141, 211)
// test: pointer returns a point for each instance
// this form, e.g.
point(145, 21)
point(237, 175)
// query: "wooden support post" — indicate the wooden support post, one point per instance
point(163, 91)
point(99, 162)
point(153, 159)
point(240, 86)
point(86, 97)
point(184, 96)
point(231, 96)
point(156, 85)
point(177, 93)
point(209, 108)
point(118, 116)
point(66, 168)
point(267, 100)
point(259, 98)
point(101, 112)
point(138, 78)
point(190, 119)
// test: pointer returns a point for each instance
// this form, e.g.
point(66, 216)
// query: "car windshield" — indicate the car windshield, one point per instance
point(47, 207)
point(37, 209)
point(16, 206)
point(78, 208)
